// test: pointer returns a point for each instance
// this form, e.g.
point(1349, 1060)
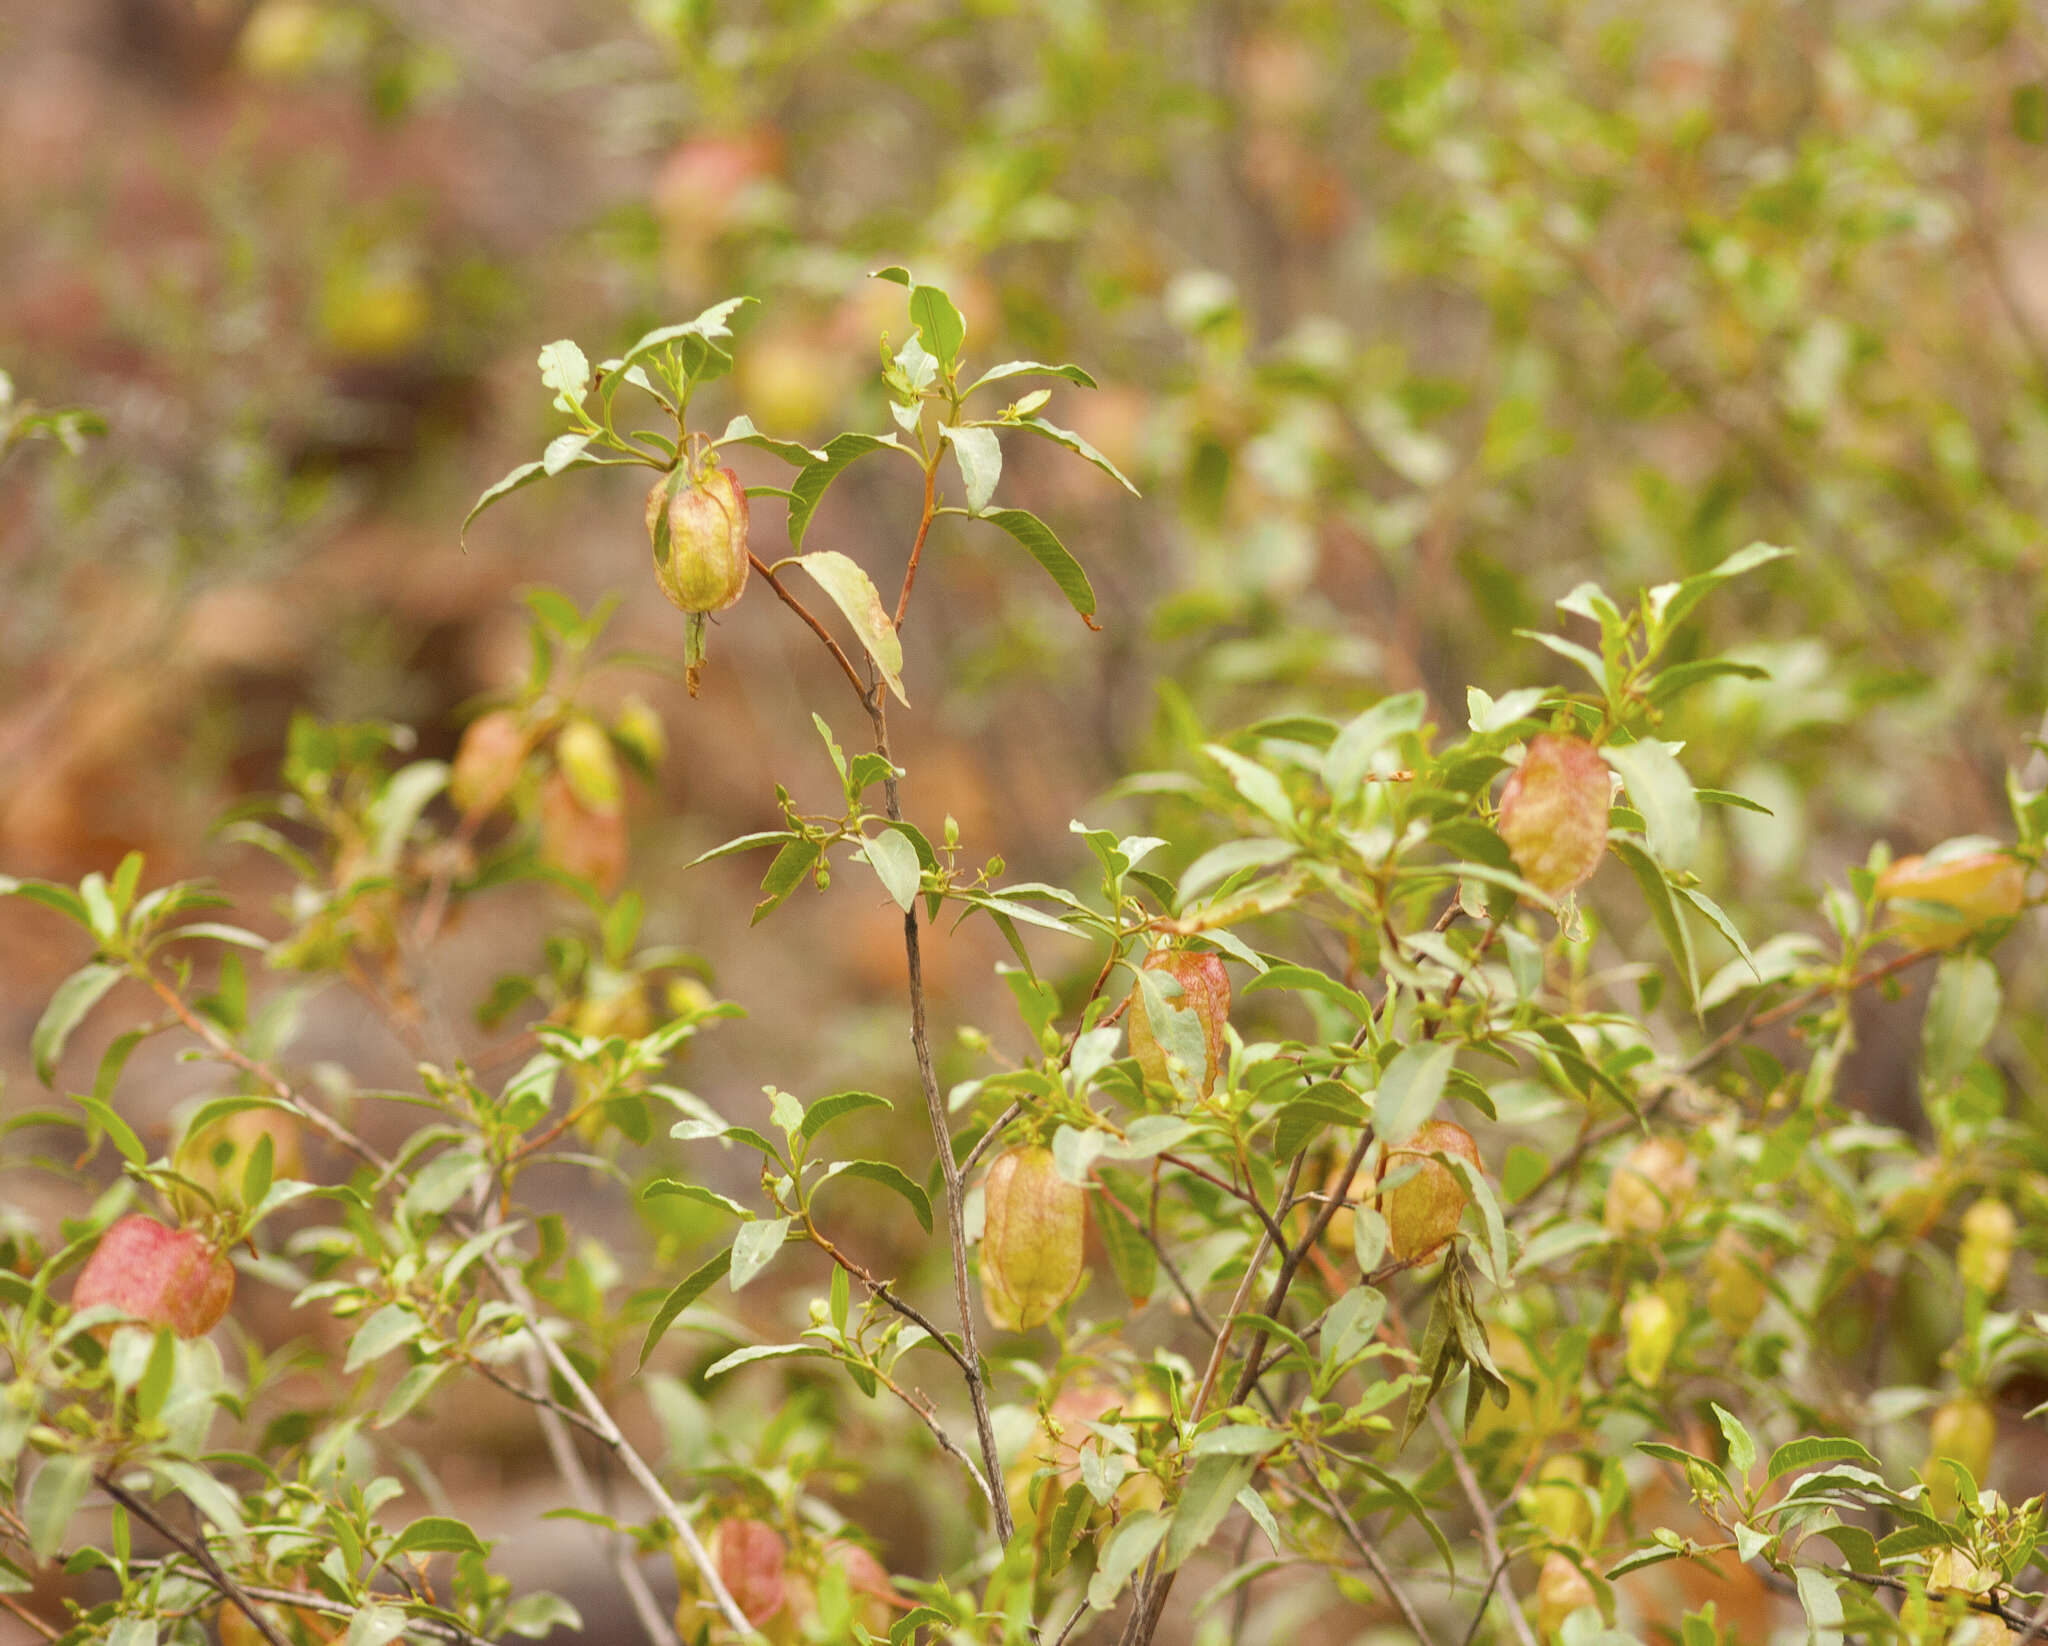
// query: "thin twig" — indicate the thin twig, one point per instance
point(924, 526)
point(195, 1547)
point(920, 1403)
point(1489, 1530)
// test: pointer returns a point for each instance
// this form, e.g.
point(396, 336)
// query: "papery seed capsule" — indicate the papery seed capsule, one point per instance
point(1985, 1256)
point(1966, 1429)
point(584, 754)
point(1649, 1188)
point(752, 1562)
point(1561, 1589)
point(167, 1277)
point(1942, 900)
point(1556, 1500)
point(1553, 813)
point(1204, 991)
point(487, 762)
point(1032, 1237)
point(1735, 1287)
point(588, 844)
point(215, 1157)
point(1423, 1210)
point(1649, 1327)
point(703, 565)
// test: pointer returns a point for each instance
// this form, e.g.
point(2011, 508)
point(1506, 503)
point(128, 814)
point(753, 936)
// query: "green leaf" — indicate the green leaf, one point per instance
point(938, 322)
point(540, 1613)
point(375, 1626)
point(763, 1351)
point(894, 861)
point(784, 875)
point(564, 369)
point(741, 432)
point(1030, 368)
point(1205, 1500)
point(1741, 1448)
point(1260, 788)
point(698, 1192)
point(708, 327)
point(1050, 553)
point(854, 593)
point(525, 475)
point(1962, 1010)
point(1670, 603)
point(1822, 1602)
point(1659, 789)
point(980, 456)
point(1656, 890)
point(53, 1498)
point(837, 1107)
point(1349, 757)
point(755, 1247)
point(687, 1292)
point(894, 1178)
point(75, 996)
point(809, 485)
point(1127, 1549)
point(1810, 1450)
point(1077, 445)
point(1409, 1091)
point(442, 1534)
point(105, 1118)
point(389, 1328)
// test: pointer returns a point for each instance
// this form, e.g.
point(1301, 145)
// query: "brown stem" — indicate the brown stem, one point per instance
point(942, 1140)
point(817, 628)
point(28, 1617)
point(924, 526)
point(1489, 1530)
point(196, 1548)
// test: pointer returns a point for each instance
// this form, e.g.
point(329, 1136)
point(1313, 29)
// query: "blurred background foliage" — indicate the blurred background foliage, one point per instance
point(1409, 318)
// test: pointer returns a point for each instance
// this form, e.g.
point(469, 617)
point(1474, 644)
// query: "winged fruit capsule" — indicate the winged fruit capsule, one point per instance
point(1204, 991)
point(1553, 813)
point(1031, 1242)
point(700, 550)
point(166, 1277)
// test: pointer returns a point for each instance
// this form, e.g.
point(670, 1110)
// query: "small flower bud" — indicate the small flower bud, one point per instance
point(1031, 1243)
point(1649, 1188)
point(487, 762)
point(1985, 1256)
point(1561, 1589)
point(1424, 1208)
point(702, 564)
point(1942, 900)
point(1553, 813)
point(167, 1277)
point(1650, 1331)
point(1204, 991)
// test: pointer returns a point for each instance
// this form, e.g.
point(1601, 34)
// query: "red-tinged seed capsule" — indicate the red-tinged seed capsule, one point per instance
point(1561, 1589)
point(1032, 1238)
point(588, 844)
point(1424, 1208)
point(487, 762)
point(1553, 813)
point(167, 1277)
point(1205, 991)
point(752, 1562)
point(703, 565)
point(1649, 1188)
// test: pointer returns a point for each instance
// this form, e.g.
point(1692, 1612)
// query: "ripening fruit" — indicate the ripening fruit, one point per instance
point(752, 1562)
point(1556, 1500)
point(1649, 1327)
point(1965, 1429)
point(579, 841)
point(1735, 1284)
point(1561, 1589)
point(1985, 1256)
point(585, 757)
point(1031, 1242)
point(1553, 813)
point(1423, 1210)
point(1649, 1188)
point(487, 762)
point(167, 1277)
point(1205, 991)
point(215, 1157)
point(1944, 900)
point(703, 565)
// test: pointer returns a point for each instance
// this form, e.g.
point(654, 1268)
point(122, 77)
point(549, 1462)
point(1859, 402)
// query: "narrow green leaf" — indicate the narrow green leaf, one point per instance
point(894, 861)
point(809, 485)
point(1659, 789)
point(1205, 1500)
point(1049, 552)
point(938, 322)
point(1030, 368)
point(687, 1292)
point(1409, 1091)
point(439, 1534)
point(854, 593)
point(894, 1178)
point(755, 1247)
point(525, 475)
point(980, 456)
point(837, 1107)
point(53, 1498)
point(1076, 444)
point(75, 996)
